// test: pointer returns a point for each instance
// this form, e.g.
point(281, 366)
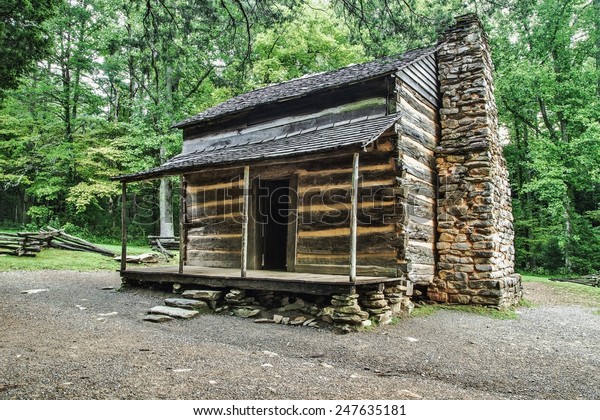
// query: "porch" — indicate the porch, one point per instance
point(276, 281)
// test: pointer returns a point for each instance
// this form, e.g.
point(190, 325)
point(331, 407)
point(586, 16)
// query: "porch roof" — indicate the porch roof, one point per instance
point(359, 132)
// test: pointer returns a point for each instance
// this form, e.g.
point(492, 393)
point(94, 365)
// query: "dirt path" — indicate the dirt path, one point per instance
point(64, 343)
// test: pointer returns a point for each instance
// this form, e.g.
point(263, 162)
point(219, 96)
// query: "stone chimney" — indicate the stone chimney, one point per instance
point(475, 232)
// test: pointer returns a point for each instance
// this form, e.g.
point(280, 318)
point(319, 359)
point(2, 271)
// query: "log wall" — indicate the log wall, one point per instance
point(324, 201)
point(418, 137)
point(321, 229)
point(213, 218)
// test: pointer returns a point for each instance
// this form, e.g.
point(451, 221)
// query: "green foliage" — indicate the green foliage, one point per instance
point(315, 41)
point(118, 74)
point(23, 39)
point(548, 89)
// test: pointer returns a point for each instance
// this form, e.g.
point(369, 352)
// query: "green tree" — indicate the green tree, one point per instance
point(23, 39)
point(545, 54)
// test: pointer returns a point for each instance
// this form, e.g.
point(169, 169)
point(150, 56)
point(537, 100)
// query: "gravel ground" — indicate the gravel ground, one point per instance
point(55, 345)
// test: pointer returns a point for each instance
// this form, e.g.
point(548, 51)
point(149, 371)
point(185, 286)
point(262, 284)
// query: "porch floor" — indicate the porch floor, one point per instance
point(277, 281)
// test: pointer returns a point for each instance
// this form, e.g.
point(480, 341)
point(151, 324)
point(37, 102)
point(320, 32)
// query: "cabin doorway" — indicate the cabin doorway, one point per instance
point(274, 209)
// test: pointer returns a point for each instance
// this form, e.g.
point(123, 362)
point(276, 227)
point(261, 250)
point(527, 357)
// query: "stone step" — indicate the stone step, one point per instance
point(186, 303)
point(158, 318)
point(172, 312)
point(202, 294)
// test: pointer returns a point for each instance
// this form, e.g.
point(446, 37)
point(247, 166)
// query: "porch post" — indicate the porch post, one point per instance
point(123, 226)
point(182, 213)
point(353, 218)
point(245, 211)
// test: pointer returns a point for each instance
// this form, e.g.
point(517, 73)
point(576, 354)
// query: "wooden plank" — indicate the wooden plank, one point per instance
point(425, 79)
point(335, 231)
point(226, 207)
point(353, 217)
point(380, 260)
point(421, 232)
point(266, 284)
point(418, 278)
point(221, 243)
point(422, 269)
point(411, 102)
point(245, 219)
point(194, 261)
point(418, 170)
point(307, 182)
point(200, 186)
point(365, 203)
point(427, 66)
point(426, 140)
point(123, 226)
point(343, 269)
point(420, 252)
point(339, 196)
point(254, 230)
point(422, 124)
point(385, 213)
point(411, 79)
point(210, 229)
point(212, 198)
point(292, 233)
point(415, 150)
point(182, 213)
point(214, 258)
point(377, 242)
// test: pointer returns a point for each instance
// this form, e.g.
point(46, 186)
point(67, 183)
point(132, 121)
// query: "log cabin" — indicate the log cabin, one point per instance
point(383, 174)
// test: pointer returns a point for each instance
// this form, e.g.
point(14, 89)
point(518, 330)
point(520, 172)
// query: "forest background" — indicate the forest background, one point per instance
point(90, 88)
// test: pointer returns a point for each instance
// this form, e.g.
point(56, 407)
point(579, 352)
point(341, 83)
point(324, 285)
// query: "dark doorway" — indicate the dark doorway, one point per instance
point(274, 211)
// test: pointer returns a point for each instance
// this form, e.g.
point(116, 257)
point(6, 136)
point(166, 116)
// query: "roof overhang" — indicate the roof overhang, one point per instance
point(358, 134)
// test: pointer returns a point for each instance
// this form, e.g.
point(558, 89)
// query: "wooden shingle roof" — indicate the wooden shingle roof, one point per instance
point(308, 84)
point(359, 133)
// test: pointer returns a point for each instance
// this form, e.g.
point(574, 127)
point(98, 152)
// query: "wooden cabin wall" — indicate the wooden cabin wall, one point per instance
point(214, 218)
point(418, 137)
point(323, 239)
point(322, 242)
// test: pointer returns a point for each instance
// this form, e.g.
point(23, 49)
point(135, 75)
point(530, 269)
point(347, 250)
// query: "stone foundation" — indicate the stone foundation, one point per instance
point(474, 215)
point(347, 312)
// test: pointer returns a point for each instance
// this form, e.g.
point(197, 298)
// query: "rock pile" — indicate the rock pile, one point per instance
point(399, 303)
point(344, 311)
point(211, 297)
point(347, 311)
point(377, 306)
point(242, 305)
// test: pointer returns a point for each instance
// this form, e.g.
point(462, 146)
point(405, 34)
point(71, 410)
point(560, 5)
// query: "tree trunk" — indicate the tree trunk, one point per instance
point(568, 234)
point(165, 202)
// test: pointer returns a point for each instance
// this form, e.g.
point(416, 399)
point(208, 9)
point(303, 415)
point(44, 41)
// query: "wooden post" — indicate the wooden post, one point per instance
point(123, 226)
point(353, 218)
point(182, 213)
point(245, 212)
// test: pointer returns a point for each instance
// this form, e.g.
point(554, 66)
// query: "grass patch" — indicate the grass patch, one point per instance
point(577, 289)
point(59, 259)
point(425, 310)
point(428, 310)
point(597, 312)
point(525, 303)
